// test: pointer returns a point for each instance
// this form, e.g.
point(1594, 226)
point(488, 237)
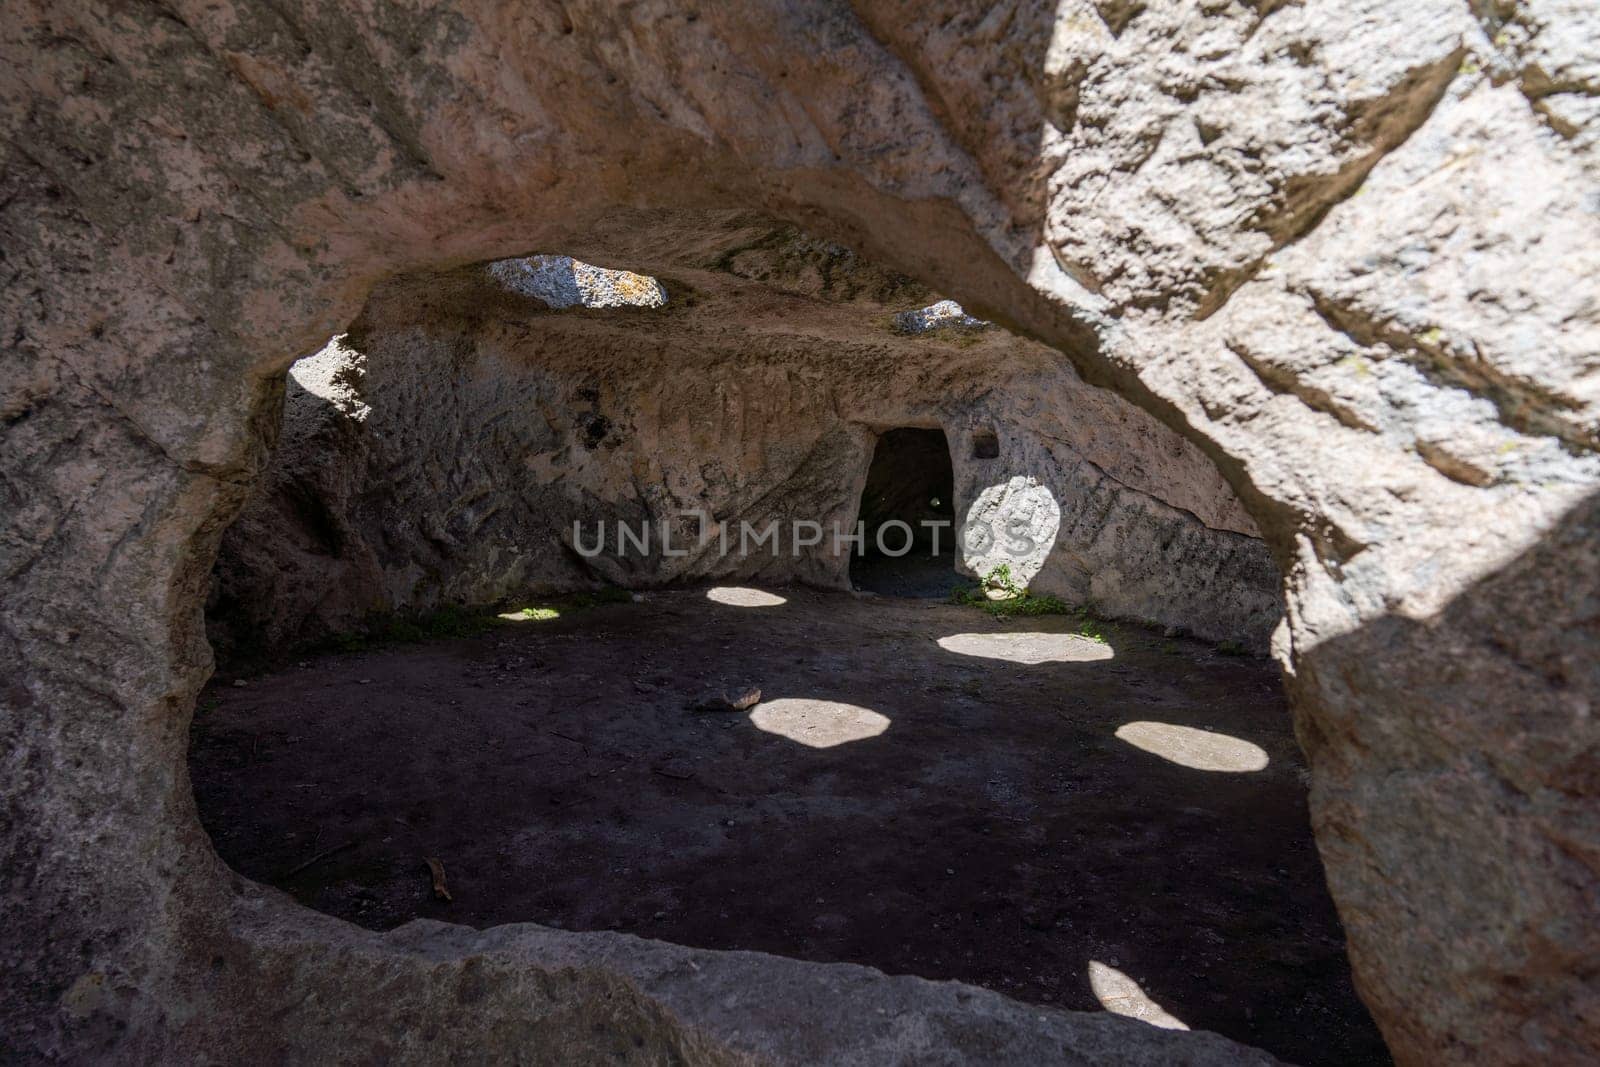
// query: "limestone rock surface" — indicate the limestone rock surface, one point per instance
point(441, 454)
point(1342, 248)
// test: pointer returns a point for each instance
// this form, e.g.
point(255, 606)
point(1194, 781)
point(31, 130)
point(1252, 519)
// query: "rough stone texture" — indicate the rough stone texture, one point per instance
point(457, 447)
point(192, 196)
point(941, 315)
point(560, 282)
point(558, 998)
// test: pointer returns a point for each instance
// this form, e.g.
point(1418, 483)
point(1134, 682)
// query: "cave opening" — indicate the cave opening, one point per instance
point(562, 613)
point(907, 517)
point(1351, 260)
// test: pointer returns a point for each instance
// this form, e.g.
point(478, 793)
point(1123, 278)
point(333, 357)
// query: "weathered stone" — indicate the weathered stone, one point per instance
point(943, 315)
point(563, 282)
point(193, 196)
point(435, 455)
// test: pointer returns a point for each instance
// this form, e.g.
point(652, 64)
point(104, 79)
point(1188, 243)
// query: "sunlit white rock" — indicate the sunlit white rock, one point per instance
point(334, 374)
point(564, 282)
point(942, 315)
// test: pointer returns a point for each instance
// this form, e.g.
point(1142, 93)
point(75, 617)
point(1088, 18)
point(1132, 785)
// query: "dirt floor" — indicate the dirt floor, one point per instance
point(923, 789)
point(916, 574)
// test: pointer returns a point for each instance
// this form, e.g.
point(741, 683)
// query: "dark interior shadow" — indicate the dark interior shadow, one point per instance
point(907, 517)
point(986, 825)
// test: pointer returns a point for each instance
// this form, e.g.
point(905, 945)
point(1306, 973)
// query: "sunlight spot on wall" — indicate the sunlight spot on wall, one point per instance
point(1202, 750)
point(946, 314)
point(818, 723)
point(1014, 523)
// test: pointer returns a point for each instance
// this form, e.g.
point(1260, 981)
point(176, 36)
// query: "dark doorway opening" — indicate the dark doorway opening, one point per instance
point(908, 517)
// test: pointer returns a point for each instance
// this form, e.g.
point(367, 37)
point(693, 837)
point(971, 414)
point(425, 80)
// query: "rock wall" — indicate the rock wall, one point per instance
point(437, 454)
point(1346, 249)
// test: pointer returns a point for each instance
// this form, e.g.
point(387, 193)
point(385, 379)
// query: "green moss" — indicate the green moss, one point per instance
point(554, 608)
point(531, 614)
point(1091, 629)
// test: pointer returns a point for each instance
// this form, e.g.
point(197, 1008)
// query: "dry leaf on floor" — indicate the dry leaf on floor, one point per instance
point(440, 890)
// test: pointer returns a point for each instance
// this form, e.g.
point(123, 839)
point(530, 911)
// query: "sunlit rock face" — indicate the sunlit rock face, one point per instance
point(942, 315)
point(563, 282)
point(531, 452)
point(1014, 524)
point(1344, 249)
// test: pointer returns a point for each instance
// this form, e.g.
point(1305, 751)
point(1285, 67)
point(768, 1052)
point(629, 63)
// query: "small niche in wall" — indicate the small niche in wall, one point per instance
point(985, 444)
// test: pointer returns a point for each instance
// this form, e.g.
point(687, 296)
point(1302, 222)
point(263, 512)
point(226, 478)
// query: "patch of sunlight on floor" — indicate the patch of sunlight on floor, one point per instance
point(531, 615)
point(1121, 995)
point(818, 723)
point(1203, 750)
point(741, 596)
point(1029, 648)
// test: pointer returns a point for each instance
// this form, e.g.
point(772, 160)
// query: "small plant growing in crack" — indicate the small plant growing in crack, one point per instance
point(1090, 627)
point(1001, 595)
point(531, 613)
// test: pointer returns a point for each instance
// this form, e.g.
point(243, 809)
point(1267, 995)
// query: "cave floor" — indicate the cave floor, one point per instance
point(901, 798)
point(916, 574)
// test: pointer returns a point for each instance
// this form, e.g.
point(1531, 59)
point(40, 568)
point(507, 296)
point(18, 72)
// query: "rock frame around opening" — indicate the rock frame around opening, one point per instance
point(194, 199)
